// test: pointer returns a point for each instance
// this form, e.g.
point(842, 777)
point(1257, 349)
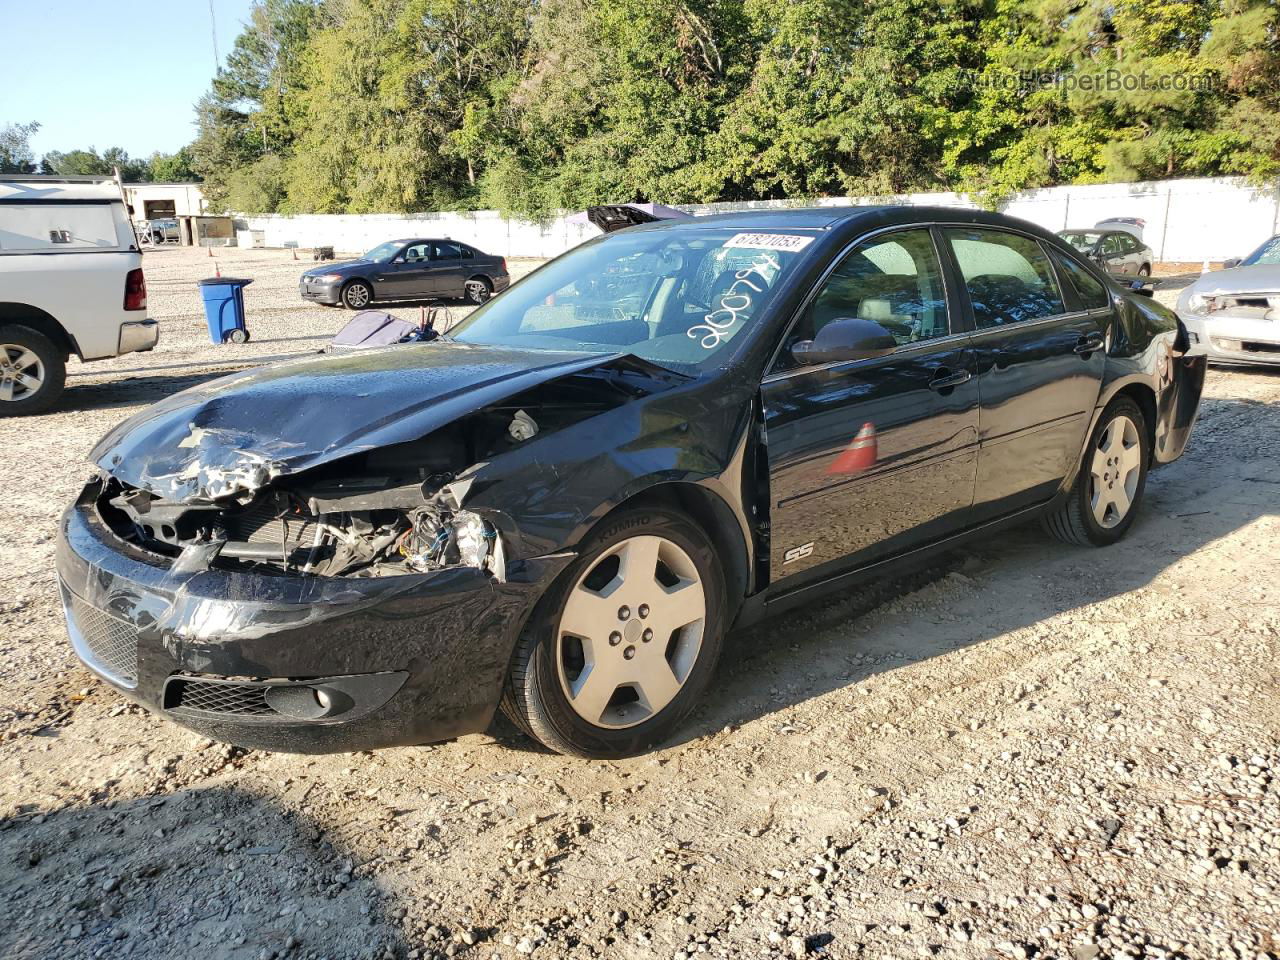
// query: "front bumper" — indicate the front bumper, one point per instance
point(239, 657)
point(138, 336)
point(328, 292)
point(1228, 338)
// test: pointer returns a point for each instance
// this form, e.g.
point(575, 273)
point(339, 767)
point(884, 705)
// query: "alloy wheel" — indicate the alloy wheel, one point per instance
point(357, 296)
point(631, 632)
point(21, 372)
point(477, 291)
point(1115, 472)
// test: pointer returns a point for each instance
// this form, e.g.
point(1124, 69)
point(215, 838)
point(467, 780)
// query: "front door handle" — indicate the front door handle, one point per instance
point(1089, 343)
point(944, 379)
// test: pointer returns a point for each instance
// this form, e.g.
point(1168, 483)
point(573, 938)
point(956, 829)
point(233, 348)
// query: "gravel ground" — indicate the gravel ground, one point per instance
point(1027, 751)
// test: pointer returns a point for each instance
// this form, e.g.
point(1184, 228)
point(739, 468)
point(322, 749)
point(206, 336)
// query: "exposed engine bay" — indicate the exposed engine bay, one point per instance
point(384, 512)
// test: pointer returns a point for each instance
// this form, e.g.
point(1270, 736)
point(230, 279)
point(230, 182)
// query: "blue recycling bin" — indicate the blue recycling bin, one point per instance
point(224, 308)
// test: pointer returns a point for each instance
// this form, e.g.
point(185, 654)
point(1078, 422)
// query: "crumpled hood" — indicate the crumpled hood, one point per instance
point(236, 433)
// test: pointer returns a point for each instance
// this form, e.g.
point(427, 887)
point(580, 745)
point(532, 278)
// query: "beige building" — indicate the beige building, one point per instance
point(160, 201)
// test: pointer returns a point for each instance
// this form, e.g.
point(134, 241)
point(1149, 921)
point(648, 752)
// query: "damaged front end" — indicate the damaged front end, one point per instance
point(314, 530)
point(382, 513)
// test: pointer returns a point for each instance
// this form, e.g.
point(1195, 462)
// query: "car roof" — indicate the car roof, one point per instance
point(431, 240)
point(831, 218)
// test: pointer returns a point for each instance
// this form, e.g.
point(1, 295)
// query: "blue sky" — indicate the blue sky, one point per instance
point(111, 73)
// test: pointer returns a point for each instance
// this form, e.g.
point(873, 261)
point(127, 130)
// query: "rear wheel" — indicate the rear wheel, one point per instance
point(357, 295)
point(1144, 270)
point(1105, 498)
point(32, 371)
point(478, 290)
point(622, 647)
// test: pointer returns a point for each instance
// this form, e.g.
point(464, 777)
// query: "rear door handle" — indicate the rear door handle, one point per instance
point(944, 379)
point(1089, 343)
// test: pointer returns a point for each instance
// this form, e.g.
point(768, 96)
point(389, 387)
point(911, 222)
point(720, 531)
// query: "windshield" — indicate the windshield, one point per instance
point(684, 297)
point(1269, 252)
point(1082, 240)
point(384, 251)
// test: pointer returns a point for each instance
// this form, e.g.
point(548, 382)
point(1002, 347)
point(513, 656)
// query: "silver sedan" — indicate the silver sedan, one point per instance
point(1233, 316)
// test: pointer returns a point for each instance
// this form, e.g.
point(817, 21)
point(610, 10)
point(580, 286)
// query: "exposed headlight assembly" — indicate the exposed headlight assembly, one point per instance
point(325, 277)
point(1199, 303)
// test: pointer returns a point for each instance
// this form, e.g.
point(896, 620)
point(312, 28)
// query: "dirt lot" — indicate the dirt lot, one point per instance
point(1028, 751)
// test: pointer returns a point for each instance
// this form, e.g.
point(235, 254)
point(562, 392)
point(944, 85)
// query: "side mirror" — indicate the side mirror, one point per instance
point(1233, 262)
point(848, 338)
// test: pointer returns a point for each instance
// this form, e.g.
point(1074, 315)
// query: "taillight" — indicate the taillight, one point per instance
point(135, 290)
point(503, 261)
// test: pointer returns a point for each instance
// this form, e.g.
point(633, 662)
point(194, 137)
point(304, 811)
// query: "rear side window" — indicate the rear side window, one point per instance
point(448, 251)
point(1008, 277)
point(1092, 293)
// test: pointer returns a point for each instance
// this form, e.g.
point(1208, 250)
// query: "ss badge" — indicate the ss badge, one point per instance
point(798, 553)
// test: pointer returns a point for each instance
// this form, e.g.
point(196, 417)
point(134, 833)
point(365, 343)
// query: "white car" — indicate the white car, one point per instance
point(1233, 315)
point(71, 283)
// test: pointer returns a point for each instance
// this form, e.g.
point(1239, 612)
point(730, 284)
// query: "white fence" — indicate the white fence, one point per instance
point(1186, 220)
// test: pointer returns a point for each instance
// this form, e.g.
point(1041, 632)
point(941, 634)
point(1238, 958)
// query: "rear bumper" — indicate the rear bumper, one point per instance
point(501, 283)
point(138, 336)
point(241, 657)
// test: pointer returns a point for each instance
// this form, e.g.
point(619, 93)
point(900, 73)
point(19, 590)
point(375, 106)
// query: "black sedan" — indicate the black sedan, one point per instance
point(1116, 251)
point(408, 270)
point(563, 505)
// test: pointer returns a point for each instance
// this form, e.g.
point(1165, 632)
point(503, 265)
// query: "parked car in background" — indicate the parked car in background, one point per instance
point(564, 504)
point(1233, 315)
point(71, 283)
point(408, 270)
point(1116, 251)
point(157, 231)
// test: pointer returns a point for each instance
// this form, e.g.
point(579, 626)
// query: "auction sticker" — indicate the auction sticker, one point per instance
point(769, 241)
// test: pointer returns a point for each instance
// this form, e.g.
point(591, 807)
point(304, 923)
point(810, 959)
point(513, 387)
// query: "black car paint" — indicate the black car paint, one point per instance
point(397, 279)
point(740, 457)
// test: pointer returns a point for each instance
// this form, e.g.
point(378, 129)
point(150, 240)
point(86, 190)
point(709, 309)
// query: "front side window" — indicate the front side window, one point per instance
point(416, 252)
point(894, 280)
point(684, 296)
point(1008, 276)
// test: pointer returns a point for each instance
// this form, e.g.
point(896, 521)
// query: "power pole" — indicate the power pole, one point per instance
point(213, 28)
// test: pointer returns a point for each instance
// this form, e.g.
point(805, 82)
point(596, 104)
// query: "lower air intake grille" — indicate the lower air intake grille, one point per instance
point(185, 695)
point(106, 643)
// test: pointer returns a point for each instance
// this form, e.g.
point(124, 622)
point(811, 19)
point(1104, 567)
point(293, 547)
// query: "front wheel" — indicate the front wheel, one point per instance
point(1105, 498)
point(357, 295)
point(623, 645)
point(1144, 270)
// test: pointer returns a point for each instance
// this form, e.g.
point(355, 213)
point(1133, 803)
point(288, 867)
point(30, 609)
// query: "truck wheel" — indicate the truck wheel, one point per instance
point(32, 371)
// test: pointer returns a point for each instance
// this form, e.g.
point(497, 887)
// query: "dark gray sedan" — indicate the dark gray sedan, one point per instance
point(414, 269)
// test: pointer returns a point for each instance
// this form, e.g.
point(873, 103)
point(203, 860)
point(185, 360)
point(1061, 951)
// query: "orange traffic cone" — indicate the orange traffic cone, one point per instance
point(210, 249)
point(295, 253)
point(861, 453)
point(217, 270)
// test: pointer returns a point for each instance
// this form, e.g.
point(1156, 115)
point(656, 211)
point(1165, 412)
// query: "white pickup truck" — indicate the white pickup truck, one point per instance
point(71, 283)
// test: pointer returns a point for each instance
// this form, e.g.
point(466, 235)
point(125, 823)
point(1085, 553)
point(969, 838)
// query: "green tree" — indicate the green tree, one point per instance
point(15, 148)
point(172, 167)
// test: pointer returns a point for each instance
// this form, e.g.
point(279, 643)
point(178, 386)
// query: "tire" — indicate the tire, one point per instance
point(238, 336)
point(357, 295)
point(33, 371)
point(1144, 270)
point(653, 686)
point(477, 290)
point(1108, 471)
